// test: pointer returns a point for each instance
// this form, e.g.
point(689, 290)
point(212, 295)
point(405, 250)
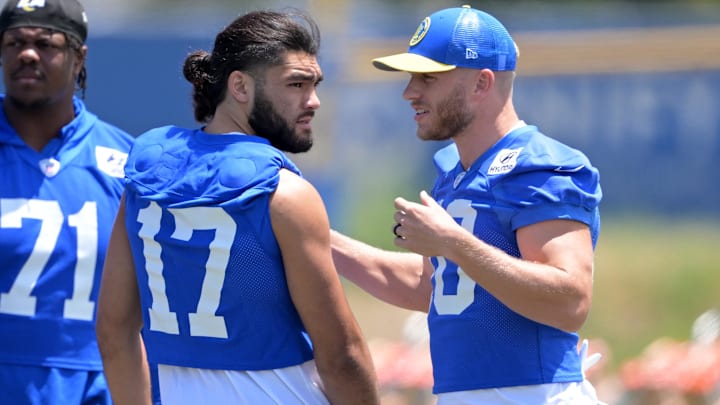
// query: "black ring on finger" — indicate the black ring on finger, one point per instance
point(395, 228)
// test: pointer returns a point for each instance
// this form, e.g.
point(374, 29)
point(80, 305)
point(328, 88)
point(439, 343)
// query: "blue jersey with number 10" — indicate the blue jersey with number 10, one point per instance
point(209, 269)
point(57, 207)
point(476, 341)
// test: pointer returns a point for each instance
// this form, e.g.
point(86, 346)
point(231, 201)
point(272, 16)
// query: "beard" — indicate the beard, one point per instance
point(29, 106)
point(269, 124)
point(452, 118)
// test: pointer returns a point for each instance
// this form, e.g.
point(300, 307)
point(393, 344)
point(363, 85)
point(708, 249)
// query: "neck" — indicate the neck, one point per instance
point(483, 134)
point(37, 125)
point(225, 123)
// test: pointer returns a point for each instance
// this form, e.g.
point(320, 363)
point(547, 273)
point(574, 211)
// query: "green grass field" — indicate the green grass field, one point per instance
point(653, 277)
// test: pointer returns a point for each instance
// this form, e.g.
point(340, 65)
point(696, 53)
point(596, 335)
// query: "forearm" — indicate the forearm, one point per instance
point(350, 378)
point(394, 277)
point(126, 370)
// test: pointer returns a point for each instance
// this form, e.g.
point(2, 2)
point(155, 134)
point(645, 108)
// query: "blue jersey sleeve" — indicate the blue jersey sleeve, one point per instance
point(550, 181)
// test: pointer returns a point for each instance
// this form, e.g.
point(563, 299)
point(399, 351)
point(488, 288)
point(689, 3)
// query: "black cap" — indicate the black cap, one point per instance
point(67, 16)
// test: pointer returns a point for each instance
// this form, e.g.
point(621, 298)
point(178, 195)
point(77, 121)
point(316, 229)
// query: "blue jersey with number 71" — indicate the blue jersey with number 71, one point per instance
point(57, 207)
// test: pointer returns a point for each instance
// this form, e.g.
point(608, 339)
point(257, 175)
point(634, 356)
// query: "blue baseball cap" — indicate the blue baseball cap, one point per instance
point(455, 37)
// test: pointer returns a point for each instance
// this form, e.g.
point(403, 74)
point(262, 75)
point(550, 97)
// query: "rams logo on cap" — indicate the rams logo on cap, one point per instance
point(30, 5)
point(421, 31)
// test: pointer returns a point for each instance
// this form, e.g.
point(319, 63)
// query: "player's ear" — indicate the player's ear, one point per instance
point(81, 58)
point(240, 86)
point(484, 80)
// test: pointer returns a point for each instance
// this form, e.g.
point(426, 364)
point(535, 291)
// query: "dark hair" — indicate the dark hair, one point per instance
point(76, 45)
point(253, 41)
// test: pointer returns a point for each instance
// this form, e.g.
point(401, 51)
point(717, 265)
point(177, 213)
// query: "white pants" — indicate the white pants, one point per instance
point(287, 386)
point(578, 393)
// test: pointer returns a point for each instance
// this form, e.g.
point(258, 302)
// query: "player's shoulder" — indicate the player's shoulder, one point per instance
point(161, 134)
point(535, 150)
point(296, 201)
point(153, 146)
point(292, 183)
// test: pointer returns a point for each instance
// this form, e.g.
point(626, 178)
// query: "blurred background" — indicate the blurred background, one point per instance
point(634, 84)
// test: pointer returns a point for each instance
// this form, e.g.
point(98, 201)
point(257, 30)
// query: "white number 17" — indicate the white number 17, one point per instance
point(203, 322)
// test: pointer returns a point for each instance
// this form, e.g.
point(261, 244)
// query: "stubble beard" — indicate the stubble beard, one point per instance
point(451, 119)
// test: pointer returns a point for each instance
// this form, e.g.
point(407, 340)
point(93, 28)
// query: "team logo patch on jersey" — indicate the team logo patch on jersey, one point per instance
point(50, 167)
point(505, 161)
point(111, 161)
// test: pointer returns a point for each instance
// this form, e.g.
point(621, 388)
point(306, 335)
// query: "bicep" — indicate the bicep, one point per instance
point(563, 244)
point(118, 301)
point(301, 227)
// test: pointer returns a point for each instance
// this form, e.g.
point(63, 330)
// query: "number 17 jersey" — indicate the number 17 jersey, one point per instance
point(209, 269)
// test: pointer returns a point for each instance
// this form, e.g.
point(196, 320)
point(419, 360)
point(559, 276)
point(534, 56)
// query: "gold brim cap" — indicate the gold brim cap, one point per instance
point(410, 62)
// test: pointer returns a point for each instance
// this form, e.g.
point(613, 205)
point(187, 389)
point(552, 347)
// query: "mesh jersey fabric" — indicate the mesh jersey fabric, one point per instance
point(210, 272)
point(476, 341)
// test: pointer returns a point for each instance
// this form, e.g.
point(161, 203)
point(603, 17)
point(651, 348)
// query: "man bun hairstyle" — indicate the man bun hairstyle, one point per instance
point(251, 43)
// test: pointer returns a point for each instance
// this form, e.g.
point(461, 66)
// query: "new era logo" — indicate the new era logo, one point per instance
point(470, 54)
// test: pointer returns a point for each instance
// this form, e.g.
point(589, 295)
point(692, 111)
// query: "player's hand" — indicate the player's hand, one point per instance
point(425, 227)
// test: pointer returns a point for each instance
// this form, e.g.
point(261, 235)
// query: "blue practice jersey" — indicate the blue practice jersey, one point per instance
point(209, 269)
point(476, 341)
point(57, 207)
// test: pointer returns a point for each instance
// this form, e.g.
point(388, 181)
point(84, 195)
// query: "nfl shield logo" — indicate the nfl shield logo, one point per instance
point(50, 167)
